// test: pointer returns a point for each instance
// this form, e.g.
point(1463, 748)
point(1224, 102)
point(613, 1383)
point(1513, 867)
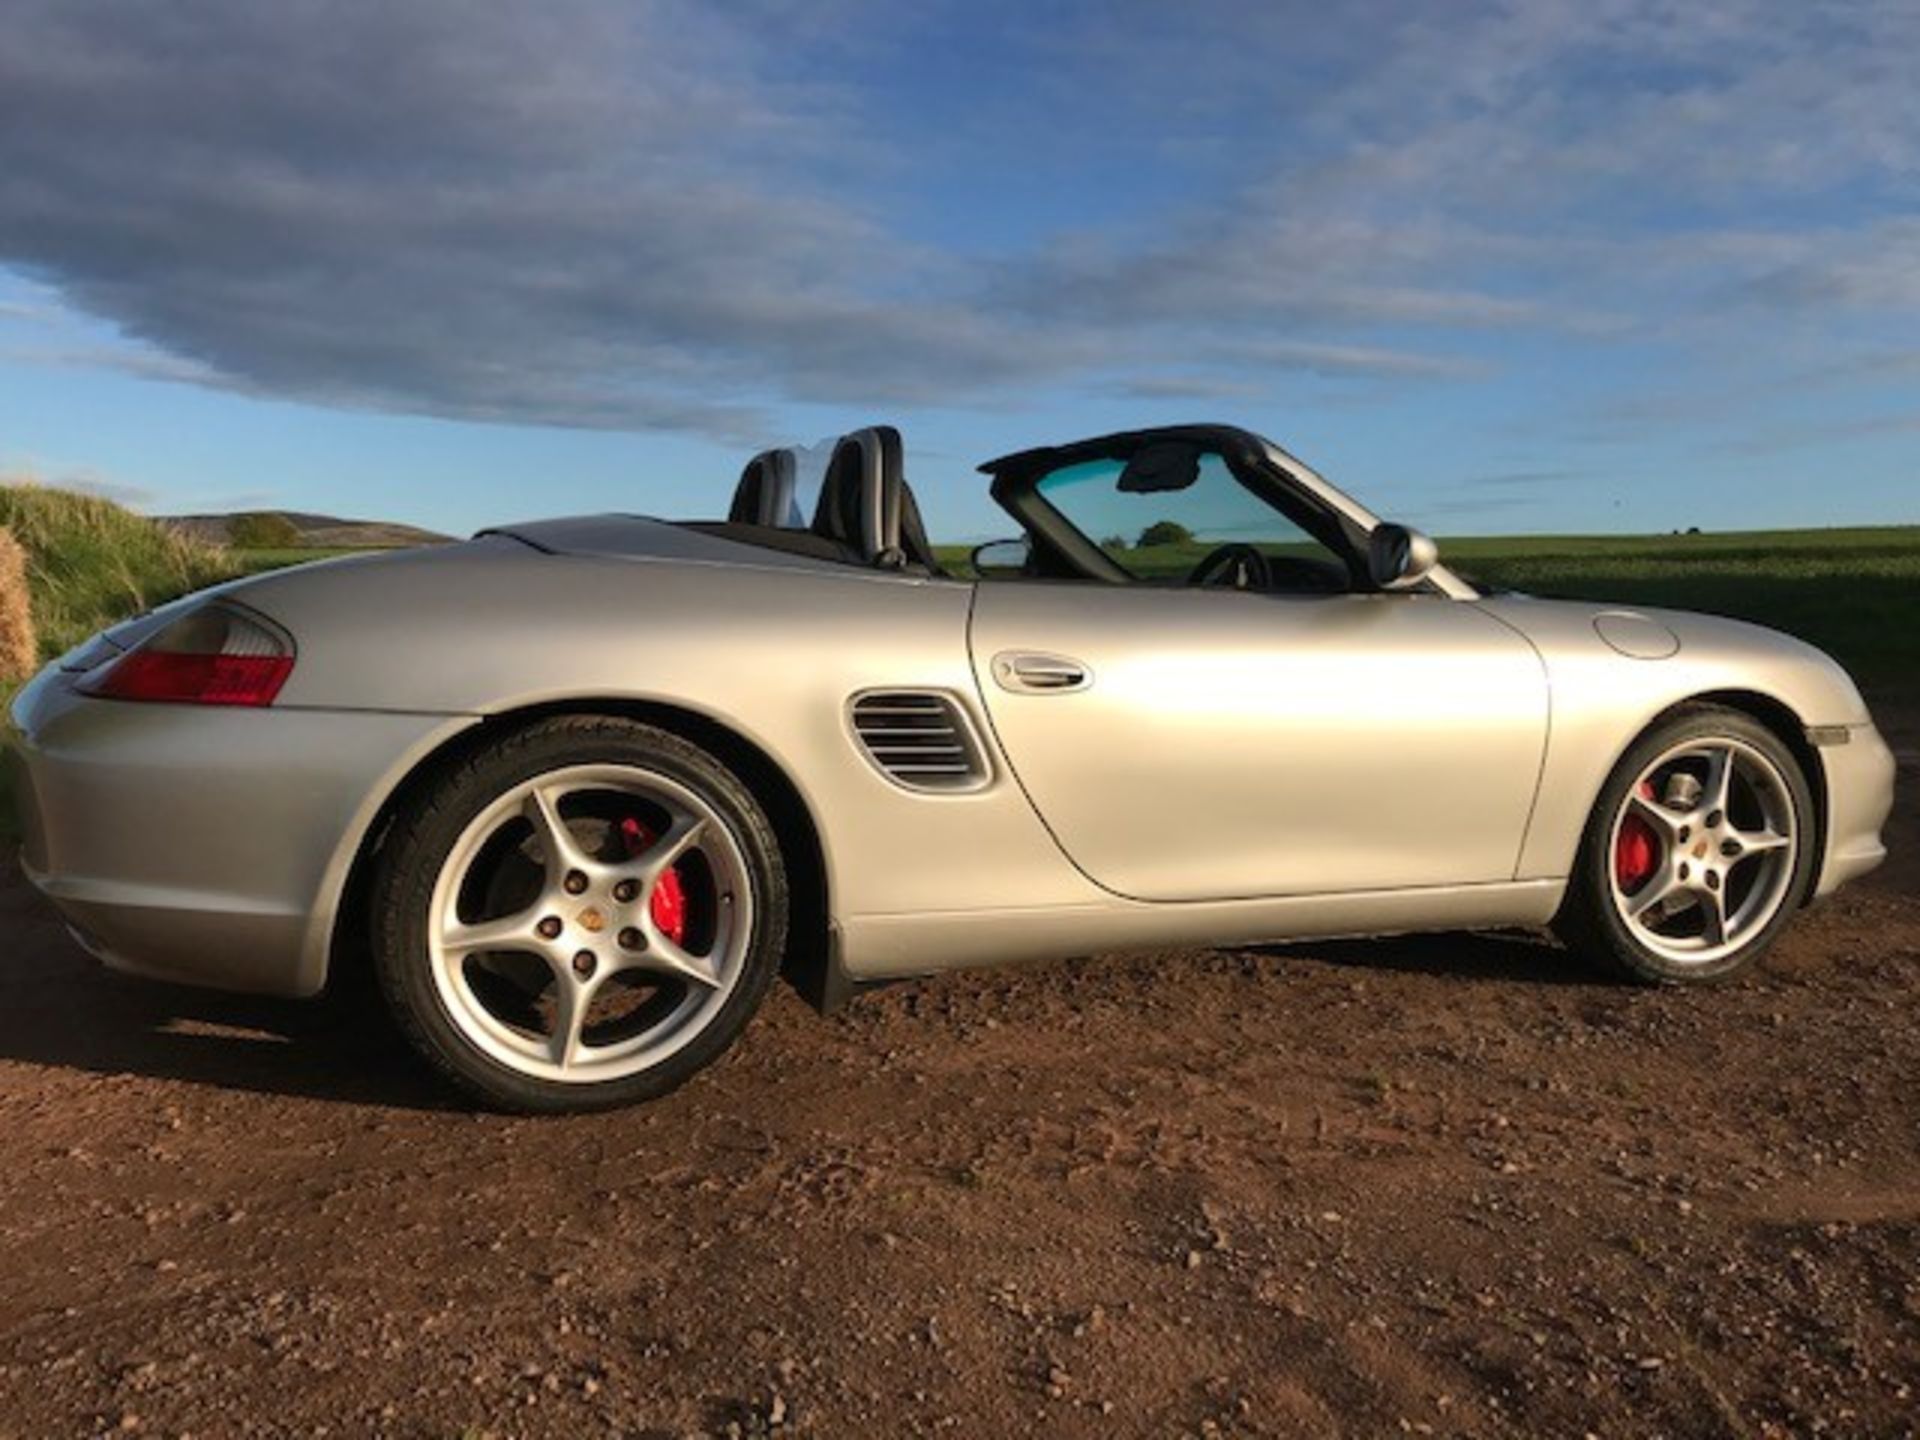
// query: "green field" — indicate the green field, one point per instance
point(254, 561)
point(1855, 593)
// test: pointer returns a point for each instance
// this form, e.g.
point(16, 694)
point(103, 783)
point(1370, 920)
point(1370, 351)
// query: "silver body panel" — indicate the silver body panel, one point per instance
point(1239, 768)
point(1602, 699)
point(1281, 722)
point(146, 825)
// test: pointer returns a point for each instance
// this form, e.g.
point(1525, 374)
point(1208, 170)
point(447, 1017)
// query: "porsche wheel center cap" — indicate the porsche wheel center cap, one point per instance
point(592, 921)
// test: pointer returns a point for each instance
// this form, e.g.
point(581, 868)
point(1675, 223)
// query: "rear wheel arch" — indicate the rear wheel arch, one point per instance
point(810, 962)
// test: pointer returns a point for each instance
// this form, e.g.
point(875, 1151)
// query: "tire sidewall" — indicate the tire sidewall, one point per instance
point(424, 841)
point(1596, 857)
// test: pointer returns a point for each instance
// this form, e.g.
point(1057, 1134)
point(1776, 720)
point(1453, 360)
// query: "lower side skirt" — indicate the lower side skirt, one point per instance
point(882, 947)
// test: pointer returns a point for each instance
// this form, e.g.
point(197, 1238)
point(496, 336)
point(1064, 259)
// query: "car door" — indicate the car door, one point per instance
point(1206, 744)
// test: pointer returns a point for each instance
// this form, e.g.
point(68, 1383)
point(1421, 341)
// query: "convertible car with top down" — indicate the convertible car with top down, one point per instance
point(578, 790)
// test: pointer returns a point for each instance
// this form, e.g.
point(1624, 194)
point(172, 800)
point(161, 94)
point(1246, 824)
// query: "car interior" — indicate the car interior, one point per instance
point(1192, 507)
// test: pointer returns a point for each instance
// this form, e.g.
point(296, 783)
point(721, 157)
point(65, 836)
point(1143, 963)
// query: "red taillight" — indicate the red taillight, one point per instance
point(218, 655)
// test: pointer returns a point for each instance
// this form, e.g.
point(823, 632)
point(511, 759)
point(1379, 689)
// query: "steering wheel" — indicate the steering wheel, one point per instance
point(1298, 575)
point(1234, 565)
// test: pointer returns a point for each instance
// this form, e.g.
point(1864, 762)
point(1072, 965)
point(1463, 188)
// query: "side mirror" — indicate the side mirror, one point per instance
point(1001, 559)
point(1399, 557)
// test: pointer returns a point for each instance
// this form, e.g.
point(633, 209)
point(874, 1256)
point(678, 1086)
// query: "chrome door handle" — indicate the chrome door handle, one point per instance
point(1032, 672)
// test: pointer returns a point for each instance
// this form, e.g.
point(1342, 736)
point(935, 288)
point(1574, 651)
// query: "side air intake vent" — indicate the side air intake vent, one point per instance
point(920, 739)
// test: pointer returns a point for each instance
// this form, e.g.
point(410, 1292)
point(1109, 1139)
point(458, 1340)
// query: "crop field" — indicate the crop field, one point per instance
point(1855, 593)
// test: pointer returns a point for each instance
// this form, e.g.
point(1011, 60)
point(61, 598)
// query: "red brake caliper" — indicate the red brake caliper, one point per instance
point(669, 904)
point(1637, 849)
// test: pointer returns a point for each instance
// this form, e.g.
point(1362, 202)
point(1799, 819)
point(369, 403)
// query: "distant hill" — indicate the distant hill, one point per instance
point(92, 563)
point(321, 532)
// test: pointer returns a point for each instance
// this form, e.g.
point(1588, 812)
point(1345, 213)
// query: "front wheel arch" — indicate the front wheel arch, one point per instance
point(1582, 917)
point(1788, 726)
point(810, 966)
point(1768, 710)
point(1791, 728)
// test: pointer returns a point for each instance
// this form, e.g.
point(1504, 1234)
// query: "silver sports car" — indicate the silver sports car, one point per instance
point(578, 790)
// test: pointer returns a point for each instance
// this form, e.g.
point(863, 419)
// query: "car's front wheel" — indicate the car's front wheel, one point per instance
point(1696, 853)
point(580, 915)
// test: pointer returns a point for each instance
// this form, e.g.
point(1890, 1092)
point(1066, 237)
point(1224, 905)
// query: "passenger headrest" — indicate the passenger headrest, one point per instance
point(913, 533)
point(765, 493)
point(860, 496)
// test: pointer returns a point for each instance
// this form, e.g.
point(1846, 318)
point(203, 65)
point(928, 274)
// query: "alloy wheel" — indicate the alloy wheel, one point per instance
point(590, 922)
point(1703, 849)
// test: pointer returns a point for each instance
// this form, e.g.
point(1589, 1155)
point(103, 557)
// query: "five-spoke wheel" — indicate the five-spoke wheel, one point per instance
point(582, 914)
point(1703, 849)
point(1696, 851)
point(588, 920)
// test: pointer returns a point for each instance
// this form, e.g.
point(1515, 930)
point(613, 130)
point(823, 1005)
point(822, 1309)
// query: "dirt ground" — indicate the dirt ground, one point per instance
point(1450, 1185)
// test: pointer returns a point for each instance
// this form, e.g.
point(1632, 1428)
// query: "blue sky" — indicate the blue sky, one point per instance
point(1554, 265)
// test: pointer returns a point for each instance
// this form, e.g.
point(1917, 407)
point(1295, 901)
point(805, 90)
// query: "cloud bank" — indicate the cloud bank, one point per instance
point(667, 215)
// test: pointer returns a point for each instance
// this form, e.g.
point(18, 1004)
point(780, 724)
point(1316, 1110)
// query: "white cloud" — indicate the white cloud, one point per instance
point(672, 215)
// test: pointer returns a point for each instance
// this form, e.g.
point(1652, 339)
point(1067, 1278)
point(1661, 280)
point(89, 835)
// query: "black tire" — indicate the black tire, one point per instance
point(1588, 921)
point(424, 837)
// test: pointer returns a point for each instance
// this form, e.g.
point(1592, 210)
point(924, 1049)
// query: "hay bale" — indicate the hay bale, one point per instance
point(19, 649)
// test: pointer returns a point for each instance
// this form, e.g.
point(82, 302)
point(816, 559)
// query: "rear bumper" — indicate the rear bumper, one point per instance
point(200, 844)
point(1860, 775)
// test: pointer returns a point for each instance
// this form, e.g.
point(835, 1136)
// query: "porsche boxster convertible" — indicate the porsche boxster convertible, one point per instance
point(578, 790)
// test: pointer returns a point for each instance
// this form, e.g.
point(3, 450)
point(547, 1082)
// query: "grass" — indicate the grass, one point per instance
point(279, 557)
point(91, 563)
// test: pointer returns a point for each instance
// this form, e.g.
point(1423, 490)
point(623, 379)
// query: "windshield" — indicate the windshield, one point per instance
point(1160, 528)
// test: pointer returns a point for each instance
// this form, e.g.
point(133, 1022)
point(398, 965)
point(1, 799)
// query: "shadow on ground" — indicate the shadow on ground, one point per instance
point(63, 1009)
point(59, 1007)
point(1513, 956)
point(321, 1050)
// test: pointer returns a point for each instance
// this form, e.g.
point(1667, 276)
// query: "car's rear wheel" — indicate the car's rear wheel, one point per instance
point(1697, 851)
point(580, 915)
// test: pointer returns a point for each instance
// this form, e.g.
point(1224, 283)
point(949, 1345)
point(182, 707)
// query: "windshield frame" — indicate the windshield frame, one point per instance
point(1309, 522)
point(1271, 474)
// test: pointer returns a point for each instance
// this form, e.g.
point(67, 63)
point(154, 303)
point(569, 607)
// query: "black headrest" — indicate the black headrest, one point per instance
point(765, 493)
point(860, 496)
point(913, 533)
point(865, 504)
